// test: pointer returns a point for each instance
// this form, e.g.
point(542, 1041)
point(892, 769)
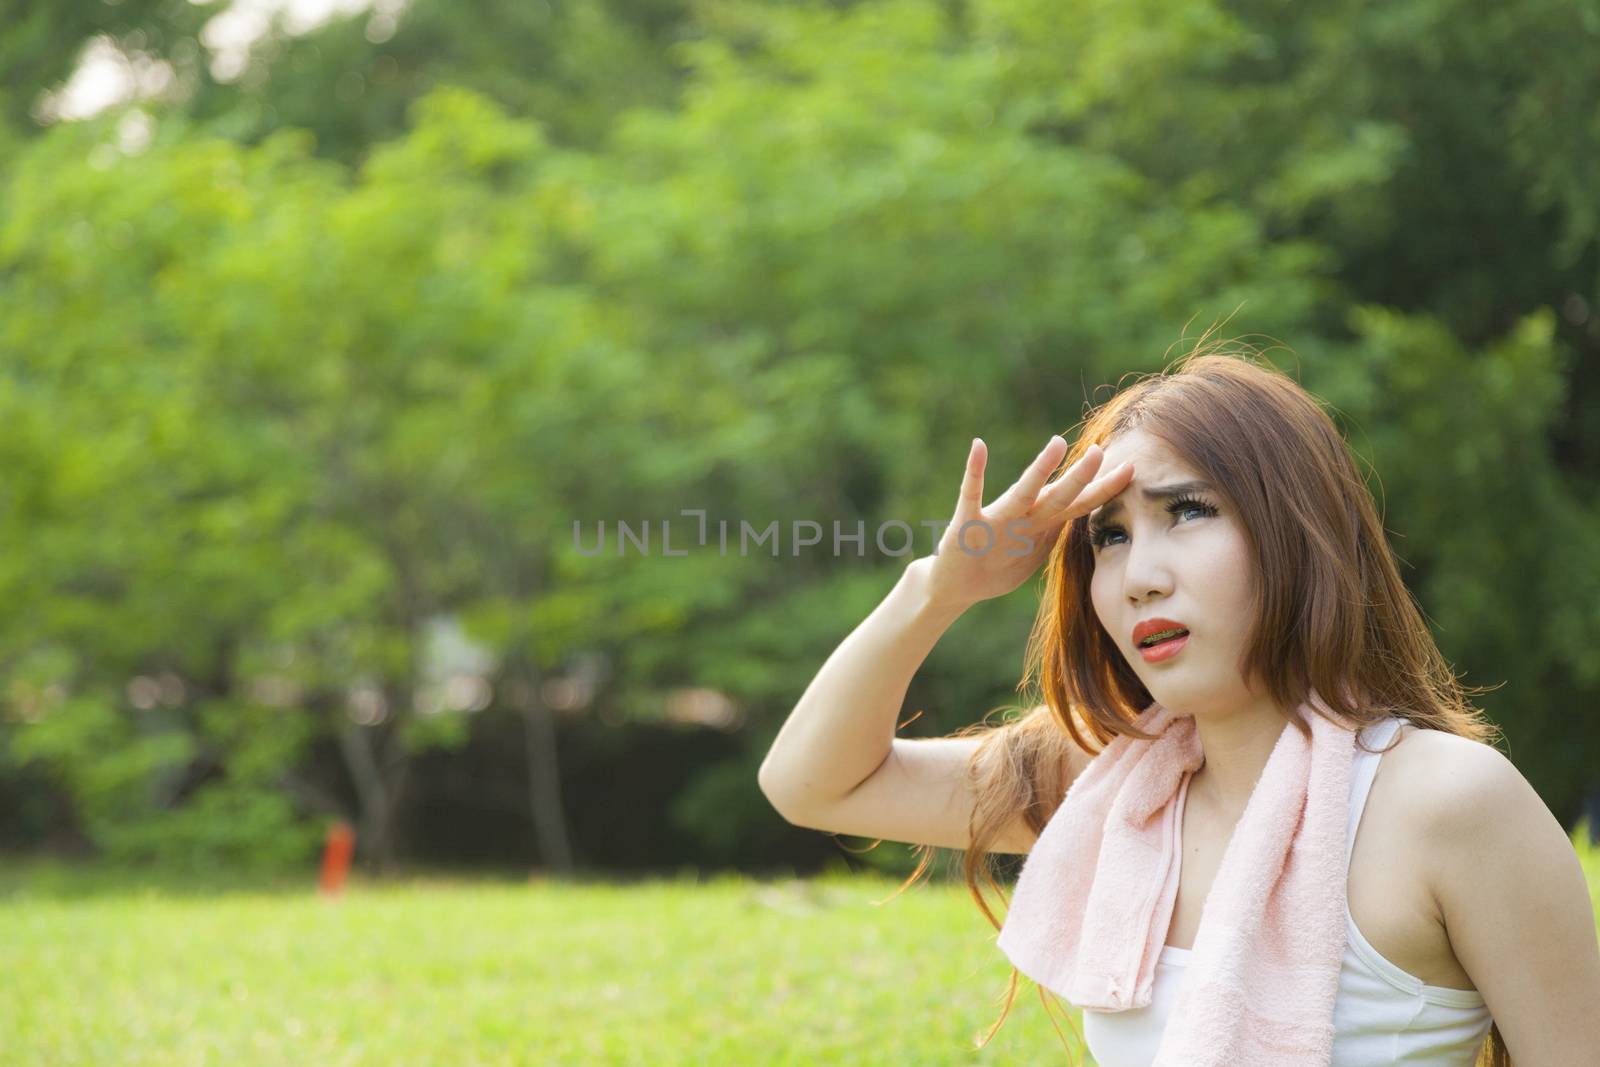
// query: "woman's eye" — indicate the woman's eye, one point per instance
point(1100, 536)
point(1186, 504)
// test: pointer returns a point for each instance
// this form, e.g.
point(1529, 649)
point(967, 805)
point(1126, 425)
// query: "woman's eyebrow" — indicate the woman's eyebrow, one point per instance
point(1155, 492)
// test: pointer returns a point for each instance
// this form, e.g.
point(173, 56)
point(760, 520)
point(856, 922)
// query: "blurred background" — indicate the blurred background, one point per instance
point(326, 325)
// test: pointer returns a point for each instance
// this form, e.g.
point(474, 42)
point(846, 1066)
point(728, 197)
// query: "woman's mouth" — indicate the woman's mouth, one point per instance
point(1164, 647)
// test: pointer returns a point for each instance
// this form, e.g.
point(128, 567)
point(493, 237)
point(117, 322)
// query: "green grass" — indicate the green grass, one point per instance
point(433, 972)
point(106, 968)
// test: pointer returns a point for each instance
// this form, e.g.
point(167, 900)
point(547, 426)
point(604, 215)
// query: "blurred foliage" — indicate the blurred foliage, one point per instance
point(353, 340)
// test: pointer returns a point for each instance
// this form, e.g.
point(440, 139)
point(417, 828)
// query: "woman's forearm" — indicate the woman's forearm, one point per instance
point(843, 727)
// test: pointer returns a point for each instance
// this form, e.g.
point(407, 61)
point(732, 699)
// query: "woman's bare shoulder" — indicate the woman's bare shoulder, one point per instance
point(1436, 756)
point(1506, 884)
point(1441, 782)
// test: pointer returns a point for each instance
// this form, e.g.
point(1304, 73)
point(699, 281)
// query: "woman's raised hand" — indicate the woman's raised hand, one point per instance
point(986, 552)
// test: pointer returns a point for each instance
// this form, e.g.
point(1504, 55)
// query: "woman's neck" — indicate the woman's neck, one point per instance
point(1236, 745)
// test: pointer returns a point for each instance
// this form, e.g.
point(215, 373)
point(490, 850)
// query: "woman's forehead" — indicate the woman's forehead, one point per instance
point(1152, 458)
point(1159, 475)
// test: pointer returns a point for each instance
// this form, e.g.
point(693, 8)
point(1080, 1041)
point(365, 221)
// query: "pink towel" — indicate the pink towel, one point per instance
point(1093, 901)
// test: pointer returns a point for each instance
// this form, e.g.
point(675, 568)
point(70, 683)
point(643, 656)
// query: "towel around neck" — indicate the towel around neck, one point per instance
point(1095, 896)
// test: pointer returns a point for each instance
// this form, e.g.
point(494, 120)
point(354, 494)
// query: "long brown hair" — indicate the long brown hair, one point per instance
point(1331, 611)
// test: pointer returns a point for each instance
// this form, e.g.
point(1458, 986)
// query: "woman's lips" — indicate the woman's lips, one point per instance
point(1165, 650)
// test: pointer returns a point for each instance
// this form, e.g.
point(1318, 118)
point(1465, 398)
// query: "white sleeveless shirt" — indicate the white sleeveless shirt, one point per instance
point(1382, 1015)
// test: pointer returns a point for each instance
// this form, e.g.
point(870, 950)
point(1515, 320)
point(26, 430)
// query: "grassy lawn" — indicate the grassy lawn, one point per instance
point(114, 969)
point(434, 972)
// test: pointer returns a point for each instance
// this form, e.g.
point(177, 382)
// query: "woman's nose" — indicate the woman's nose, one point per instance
point(1147, 573)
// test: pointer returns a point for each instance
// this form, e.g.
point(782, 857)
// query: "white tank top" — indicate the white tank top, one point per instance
point(1381, 1015)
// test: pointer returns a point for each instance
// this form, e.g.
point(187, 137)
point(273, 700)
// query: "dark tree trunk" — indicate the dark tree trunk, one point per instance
point(544, 780)
point(379, 781)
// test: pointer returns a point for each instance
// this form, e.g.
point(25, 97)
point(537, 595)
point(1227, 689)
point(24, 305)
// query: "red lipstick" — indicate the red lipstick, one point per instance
point(1173, 636)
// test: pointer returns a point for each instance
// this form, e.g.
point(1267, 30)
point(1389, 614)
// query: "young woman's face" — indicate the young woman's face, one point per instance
point(1180, 555)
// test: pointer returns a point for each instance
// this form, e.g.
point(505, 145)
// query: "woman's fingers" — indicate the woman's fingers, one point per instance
point(1061, 492)
point(1070, 495)
point(1025, 490)
point(1076, 489)
point(970, 500)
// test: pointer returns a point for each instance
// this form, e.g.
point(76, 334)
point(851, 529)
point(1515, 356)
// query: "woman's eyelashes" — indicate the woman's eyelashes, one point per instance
point(1099, 535)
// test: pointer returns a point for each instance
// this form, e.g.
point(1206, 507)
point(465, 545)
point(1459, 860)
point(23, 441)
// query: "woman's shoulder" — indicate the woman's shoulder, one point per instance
point(1439, 784)
point(1443, 766)
point(1500, 870)
point(1429, 798)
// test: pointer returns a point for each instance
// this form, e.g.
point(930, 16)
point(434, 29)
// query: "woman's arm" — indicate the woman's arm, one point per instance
point(1516, 907)
point(842, 730)
point(843, 727)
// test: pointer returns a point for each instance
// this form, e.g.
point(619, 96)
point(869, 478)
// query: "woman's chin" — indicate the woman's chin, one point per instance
point(1185, 699)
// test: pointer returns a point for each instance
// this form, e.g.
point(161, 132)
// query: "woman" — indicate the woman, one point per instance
point(1231, 509)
